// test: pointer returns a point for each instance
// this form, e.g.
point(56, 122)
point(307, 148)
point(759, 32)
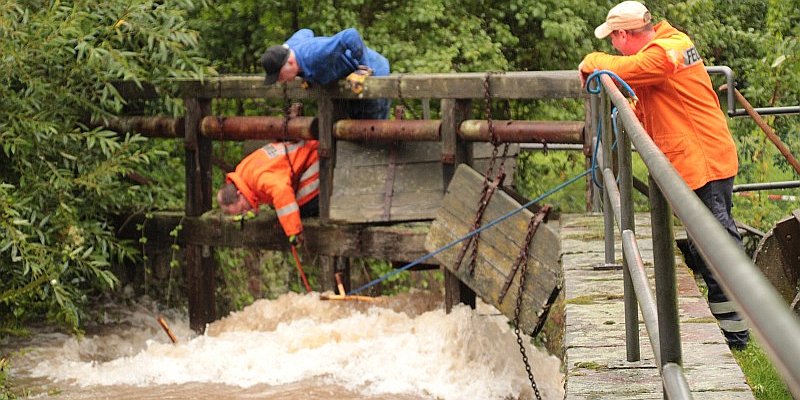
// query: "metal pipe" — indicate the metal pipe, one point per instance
point(771, 135)
point(550, 146)
point(625, 178)
point(666, 283)
point(258, 127)
point(641, 287)
point(387, 130)
point(756, 298)
point(605, 162)
point(732, 111)
point(721, 69)
point(610, 184)
point(750, 187)
point(675, 385)
point(523, 131)
point(156, 127)
point(769, 111)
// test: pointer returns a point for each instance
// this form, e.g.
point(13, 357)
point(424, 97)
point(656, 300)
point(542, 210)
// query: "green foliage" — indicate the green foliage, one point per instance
point(5, 390)
point(61, 180)
point(540, 172)
point(761, 374)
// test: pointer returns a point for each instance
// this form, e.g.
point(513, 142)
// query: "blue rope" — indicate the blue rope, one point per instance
point(470, 234)
point(594, 78)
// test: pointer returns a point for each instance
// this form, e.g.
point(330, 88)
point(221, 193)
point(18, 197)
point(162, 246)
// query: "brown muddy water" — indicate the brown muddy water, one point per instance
point(294, 347)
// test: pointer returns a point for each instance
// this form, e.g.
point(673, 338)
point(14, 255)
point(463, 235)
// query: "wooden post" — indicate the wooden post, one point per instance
point(329, 112)
point(454, 152)
point(200, 267)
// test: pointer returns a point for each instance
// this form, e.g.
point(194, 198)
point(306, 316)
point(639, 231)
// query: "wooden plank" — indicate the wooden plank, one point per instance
point(512, 85)
point(408, 178)
point(359, 154)
point(369, 207)
point(360, 182)
point(498, 248)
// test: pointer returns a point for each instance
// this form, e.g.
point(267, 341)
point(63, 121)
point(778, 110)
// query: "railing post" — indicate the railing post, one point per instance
point(666, 285)
point(200, 266)
point(454, 152)
point(606, 162)
point(625, 177)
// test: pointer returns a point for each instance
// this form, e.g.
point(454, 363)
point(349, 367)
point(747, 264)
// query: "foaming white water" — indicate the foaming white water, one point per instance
point(373, 349)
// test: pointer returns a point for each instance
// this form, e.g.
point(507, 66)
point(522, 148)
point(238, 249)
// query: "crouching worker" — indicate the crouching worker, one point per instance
point(284, 175)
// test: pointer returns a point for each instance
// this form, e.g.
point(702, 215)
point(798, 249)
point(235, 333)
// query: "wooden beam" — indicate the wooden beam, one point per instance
point(200, 266)
point(510, 85)
point(454, 152)
point(394, 242)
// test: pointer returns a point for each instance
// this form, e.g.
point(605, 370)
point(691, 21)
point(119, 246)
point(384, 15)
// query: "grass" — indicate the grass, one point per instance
point(758, 370)
point(760, 373)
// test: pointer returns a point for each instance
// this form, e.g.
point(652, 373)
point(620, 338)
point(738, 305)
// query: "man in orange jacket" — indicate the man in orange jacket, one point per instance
point(284, 175)
point(680, 110)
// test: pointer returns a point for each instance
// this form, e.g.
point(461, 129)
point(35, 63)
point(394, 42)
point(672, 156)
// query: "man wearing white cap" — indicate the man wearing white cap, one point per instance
point(680, 111)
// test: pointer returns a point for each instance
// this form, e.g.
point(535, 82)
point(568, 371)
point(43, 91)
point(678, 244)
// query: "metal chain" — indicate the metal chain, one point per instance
point(286, 117)
point(402, 99)
point(522, 261)
point(487, 190)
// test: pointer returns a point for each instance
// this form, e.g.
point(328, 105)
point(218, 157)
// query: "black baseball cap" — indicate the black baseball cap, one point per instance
point(272, 60)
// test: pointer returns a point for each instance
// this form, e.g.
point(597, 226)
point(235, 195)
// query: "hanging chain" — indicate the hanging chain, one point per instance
point(488, 188)
point(522, 260)
point(402, 99)
point(286, 117)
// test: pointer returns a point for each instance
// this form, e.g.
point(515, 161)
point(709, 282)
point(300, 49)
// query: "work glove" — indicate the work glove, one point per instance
point(357, 77)
point(297, 240)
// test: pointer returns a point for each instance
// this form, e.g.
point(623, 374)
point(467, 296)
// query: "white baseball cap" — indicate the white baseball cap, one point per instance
point(625, 15)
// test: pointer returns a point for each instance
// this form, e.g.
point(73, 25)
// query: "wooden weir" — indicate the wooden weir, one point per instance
point(378, 194)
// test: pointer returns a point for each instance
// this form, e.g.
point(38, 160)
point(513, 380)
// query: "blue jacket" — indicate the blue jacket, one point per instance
point(324, 59)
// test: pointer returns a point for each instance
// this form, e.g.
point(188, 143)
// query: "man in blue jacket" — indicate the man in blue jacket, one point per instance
point(324, 59)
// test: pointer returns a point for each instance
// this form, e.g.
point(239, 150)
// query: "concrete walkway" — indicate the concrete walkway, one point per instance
point(595, 325)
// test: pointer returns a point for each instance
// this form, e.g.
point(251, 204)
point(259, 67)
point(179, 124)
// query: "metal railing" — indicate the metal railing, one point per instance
point(758, 301)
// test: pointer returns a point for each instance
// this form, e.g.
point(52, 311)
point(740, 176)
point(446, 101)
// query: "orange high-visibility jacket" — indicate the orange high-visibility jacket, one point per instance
point(284, 175)
point(677, 105)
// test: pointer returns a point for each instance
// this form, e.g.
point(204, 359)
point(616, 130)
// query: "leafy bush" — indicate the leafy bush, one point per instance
point(61, 179)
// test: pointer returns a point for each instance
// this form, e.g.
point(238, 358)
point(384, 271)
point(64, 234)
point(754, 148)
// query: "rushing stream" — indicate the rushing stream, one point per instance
point(293, 347)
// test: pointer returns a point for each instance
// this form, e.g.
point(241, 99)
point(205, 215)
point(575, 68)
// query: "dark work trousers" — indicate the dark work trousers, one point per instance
point(717, 196)
point(310, 209)
point(368, 109)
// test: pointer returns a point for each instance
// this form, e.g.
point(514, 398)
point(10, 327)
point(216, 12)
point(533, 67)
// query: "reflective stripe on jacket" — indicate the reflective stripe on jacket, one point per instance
point(265, 177)
point(677, 104)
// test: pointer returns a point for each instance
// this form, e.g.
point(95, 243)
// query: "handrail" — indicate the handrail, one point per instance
point(674, 381)
point(755, 297)
point(732, 111)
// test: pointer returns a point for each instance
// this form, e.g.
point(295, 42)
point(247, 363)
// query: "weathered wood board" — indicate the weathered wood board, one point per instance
point(362, 169)
point(498, 248)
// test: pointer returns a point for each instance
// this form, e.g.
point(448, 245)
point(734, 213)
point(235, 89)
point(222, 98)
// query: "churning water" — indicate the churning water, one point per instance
point(293, 347)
